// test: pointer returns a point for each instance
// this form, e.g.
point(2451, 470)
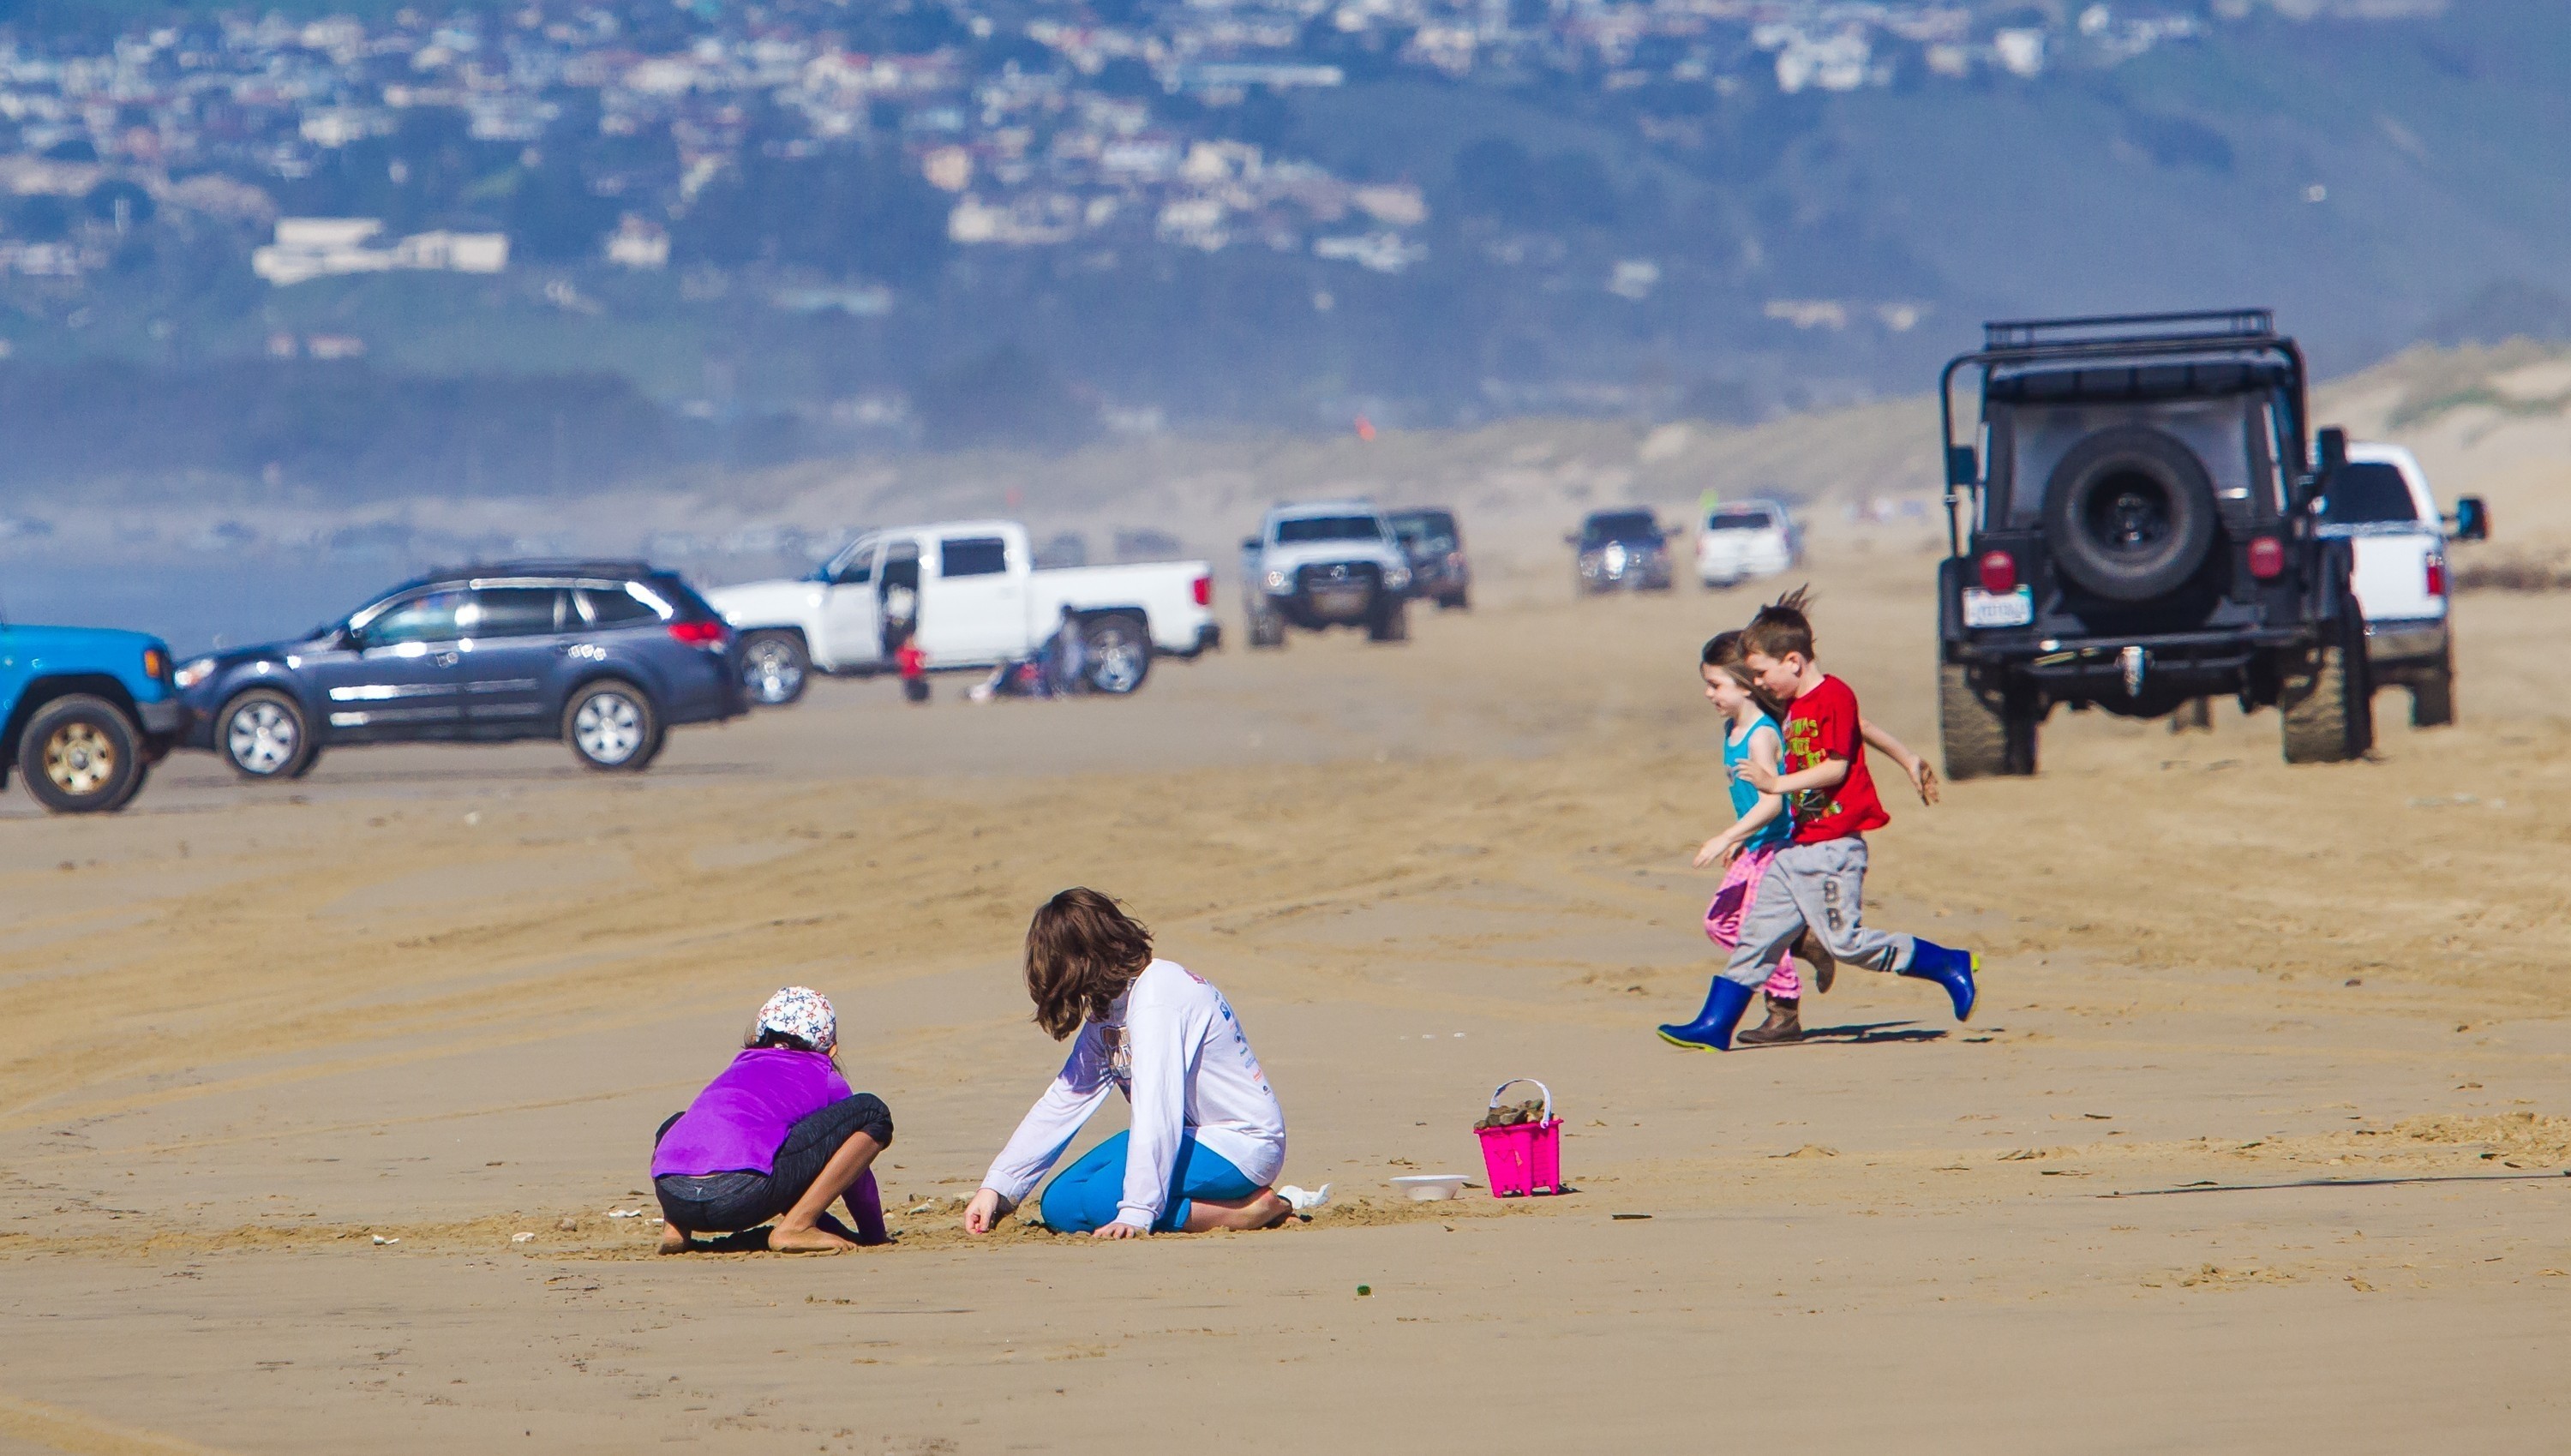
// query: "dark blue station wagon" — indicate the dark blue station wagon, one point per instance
point(604, 655)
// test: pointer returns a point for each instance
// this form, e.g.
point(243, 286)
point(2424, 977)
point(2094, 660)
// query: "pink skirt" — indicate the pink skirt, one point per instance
point(1732, 903)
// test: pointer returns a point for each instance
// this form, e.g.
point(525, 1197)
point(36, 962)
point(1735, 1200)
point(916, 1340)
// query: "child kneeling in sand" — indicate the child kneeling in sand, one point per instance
point(776, 1135)
point(1208, 1137)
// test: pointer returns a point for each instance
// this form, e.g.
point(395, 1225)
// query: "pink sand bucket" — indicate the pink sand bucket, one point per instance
point(1526, 1157)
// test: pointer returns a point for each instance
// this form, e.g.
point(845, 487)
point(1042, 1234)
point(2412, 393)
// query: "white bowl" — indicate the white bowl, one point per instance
point(1431, 1188)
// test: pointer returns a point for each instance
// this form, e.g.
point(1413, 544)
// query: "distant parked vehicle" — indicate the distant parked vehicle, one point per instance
point(1746, 540)
point(2380, 504)
point(969, 594)
point(83, 713)
point(1439, 571)
point(607, 657)
point(1326, 563)
point(1621, 550)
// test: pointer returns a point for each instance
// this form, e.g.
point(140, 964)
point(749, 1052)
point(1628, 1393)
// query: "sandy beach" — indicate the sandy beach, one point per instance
point(2258, 1139)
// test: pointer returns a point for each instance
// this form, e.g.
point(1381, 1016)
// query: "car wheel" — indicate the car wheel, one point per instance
point(1116, 654)
point(2129, 513)
point(2432, 694)
point(2329, 700)
point(773, 667)
point(1267, 629)
point(262, 734)
point(80, 755)
point(1391, 619)
point(1981, 733)
point(1457, 601)
point(611, 726)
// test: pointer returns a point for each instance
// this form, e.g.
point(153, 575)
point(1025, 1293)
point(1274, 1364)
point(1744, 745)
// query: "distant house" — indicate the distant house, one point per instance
point(312, 247)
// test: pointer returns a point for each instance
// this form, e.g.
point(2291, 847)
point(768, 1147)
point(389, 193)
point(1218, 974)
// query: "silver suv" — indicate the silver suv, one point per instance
point(1326, 563)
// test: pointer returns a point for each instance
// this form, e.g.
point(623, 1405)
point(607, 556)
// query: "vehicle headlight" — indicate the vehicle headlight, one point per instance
point(1397, 577)
point(1614, 556)
point(193, 674)
point(1278, 584)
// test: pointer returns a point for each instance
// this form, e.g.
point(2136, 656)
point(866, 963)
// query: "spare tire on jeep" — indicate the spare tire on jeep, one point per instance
point(2129, 513)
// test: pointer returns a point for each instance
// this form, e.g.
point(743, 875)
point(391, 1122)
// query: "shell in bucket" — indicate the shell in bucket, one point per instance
point(1523, 1159)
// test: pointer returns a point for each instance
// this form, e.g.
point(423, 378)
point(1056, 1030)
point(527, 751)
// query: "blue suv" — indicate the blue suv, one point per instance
point(604, 655)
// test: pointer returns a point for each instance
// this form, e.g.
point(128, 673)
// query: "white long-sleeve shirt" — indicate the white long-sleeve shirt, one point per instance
point(1172, 1045)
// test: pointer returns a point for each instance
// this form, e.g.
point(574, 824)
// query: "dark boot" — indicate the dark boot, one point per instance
point(1712, 1029)
point(1784, 1023)
point(1816, 960)
point(1953, 969)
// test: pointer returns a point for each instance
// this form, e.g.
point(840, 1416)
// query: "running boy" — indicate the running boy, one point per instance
point(1818, 880)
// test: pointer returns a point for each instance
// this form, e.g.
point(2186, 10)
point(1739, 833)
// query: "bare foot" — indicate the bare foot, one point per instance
point(674, 1239)
point(782, 1240)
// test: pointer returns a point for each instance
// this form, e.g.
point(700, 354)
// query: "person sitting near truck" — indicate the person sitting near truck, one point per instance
point(778, 1135)
point(1208, 1137)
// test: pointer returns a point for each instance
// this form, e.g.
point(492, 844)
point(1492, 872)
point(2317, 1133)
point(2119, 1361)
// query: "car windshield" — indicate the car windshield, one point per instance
point(1623, 526)
point(1738, 518)
point(1425, 535)
point(2369, 494)
point(1328, 528)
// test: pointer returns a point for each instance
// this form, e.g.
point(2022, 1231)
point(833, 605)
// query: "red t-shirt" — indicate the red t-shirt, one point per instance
point(1822, 723)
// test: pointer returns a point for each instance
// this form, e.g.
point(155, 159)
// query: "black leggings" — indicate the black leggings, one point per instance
point(726, 1202)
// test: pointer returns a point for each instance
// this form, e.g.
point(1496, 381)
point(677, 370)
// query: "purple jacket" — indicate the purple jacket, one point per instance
point(738, 1122)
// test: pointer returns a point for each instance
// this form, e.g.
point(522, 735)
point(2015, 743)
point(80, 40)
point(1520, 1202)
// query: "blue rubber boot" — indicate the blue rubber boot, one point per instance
point(1953, 969)
point(1712, 1029)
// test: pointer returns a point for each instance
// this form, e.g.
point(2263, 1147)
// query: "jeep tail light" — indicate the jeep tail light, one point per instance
point(2267, 558)
point(700, 633)
point(1999, 573)
point(2436, 576)
point(1204, 591)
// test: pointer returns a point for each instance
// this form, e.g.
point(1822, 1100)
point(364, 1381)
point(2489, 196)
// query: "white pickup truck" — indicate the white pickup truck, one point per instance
point(2380, 504)
point(968, 595)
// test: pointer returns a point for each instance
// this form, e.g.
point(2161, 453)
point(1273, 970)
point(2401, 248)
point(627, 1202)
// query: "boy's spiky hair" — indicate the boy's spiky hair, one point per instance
point(1780, 627)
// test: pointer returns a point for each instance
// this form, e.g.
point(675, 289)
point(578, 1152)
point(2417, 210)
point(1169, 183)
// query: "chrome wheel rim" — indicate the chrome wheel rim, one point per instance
point(262, 738)
point(608, 727)
point(769, 670)
point(79, 759)
point(1119, 657)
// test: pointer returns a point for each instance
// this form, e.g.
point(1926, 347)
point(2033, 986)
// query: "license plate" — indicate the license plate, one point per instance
point(1988, 609)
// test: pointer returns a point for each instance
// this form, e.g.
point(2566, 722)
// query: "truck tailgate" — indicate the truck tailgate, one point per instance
point(2392, 576)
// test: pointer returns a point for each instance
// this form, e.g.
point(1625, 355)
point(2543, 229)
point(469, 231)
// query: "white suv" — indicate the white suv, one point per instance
point(1743, 540)
point(1326, 563)
point(2379, 502)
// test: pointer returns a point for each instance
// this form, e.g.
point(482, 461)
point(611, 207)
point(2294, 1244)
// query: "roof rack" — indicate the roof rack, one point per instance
point(2212, 326)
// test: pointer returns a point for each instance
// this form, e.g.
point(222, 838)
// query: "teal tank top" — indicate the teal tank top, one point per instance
point(1779, 829)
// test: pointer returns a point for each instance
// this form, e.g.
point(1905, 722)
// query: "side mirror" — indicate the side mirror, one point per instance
point(2472, 519)
point(1963, 467)
point(1570, 538)
point(2334, 449)
point(1249, 543)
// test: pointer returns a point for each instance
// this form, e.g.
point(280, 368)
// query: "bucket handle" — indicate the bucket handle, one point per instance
point(1540, 1086)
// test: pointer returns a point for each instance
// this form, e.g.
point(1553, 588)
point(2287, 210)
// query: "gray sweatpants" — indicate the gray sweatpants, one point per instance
point(1823, 886)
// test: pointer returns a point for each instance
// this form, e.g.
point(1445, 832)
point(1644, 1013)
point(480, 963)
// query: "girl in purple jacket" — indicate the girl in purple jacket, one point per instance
point(776, 1135)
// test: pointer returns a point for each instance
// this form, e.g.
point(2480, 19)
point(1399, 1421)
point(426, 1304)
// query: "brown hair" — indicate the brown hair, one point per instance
point(1780, 627)
point(1727, 650)
point(1083, 950)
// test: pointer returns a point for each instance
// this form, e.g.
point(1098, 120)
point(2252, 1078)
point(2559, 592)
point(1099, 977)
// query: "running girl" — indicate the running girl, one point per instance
point(1207, 1135)
point(776, 1135)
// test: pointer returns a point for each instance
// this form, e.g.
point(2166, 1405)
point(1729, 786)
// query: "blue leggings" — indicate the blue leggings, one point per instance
point(1084, 1196)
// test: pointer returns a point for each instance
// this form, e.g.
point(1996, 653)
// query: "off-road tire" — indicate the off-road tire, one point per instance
point(776, 667)
point(613, 726)
point(81, 754)
point(1115, 652)
point(1980, 734)
point(2432, 694)
point(264, 737)
point(2078, 491)
point(1456, 602)
point(2328, 696)
point(1390, 620)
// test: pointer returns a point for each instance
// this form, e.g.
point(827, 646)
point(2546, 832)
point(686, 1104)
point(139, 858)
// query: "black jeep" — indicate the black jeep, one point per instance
point(2141, 539)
